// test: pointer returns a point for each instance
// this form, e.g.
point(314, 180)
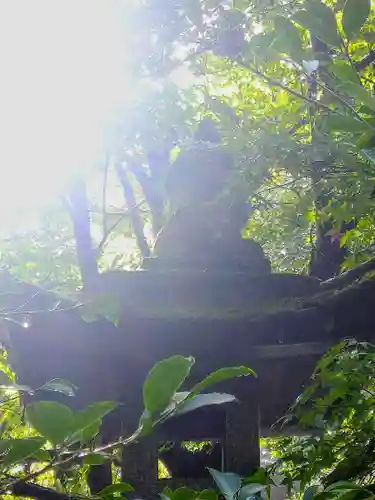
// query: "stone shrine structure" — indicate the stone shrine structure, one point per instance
point(207, 293)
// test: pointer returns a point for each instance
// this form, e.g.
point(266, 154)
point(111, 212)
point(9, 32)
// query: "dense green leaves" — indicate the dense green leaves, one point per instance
point(355, 14)
point(339, 404)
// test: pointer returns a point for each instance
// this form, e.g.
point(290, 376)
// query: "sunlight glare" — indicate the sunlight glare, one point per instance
point(64, 72)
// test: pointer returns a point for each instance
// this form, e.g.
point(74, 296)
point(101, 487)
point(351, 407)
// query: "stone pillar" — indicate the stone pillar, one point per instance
point(242, 451)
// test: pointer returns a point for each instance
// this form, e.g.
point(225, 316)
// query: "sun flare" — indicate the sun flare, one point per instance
point(63, 75)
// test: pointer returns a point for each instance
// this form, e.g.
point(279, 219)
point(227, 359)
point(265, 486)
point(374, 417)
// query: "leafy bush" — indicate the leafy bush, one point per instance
point(337, 412)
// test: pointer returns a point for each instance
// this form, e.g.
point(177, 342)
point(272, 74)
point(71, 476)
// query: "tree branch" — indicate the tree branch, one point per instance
point(349, 277)
point(25, 489)
point(366, 61)
point(153, 200)
point(135, 217)
point(276, 83)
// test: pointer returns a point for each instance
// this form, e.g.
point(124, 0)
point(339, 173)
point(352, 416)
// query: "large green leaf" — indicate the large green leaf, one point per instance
point(15, 451)
point(163, 381)
point(221, 375)
point(200, 400)
point(228, 483)
point(93, 412)
point(365, 140)
point(345, 123)
point(95, 459)
point(115, 488)
point(344, 71)
point(249, 491)
point(88, 432)
point(320, 20)
point(288, 39)
point(361, 95)
point(354, 16)
point(60, 385)
point(90, 420)
point(183, 493)
point(52, 420)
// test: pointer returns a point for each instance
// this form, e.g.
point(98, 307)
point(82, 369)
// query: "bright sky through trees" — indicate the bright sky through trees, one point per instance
point(63, 74)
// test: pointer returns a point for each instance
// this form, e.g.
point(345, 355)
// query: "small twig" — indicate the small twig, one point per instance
point(300, 124)
point(366, 61)
point(25, 489)
point(122, 216)
point(276, 83)
point(6, 315)
point(337, 96)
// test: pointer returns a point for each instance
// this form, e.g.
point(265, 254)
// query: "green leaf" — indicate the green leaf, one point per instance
point(221, 375)
point(250, 490)
point(184, 493)
point(369, 37)
point(370, 154)
point(365, 139)
point(228, 483)
point(201, 400)
point(93, 412)
point(354, 16)
point(13, 451)
point(343, 485)
point(115, 488)
point(52, 420)
point(60, 385)
point(344, 71)
point(42, 456)
point(163, 380)
point(345, 123)
point(288, 38)
point(208, 495)
point(320, 20)
point(90, 420)
point(310, 492)
point(95, 459)
point(262, 45)
point(361, 95)
point(90, 432)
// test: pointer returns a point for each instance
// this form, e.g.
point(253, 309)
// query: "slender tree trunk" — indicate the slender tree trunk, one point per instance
point(135, 217)
point(79, 213)
point(327, 255)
